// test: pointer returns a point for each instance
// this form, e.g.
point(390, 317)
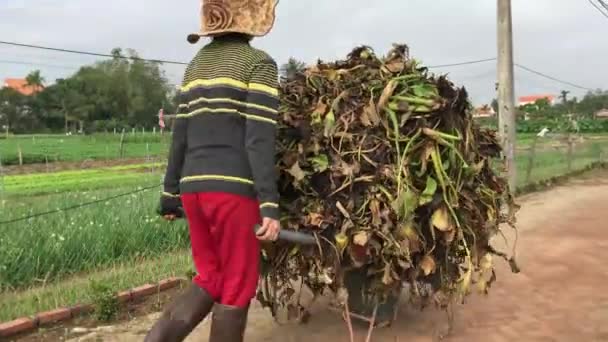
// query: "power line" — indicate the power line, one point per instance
point(463, 63)
point(77, 206)
point(550, 77)
point(183, 63)
point(603, 3)
point(600, 8)
point(88, 53)
point(37, 64)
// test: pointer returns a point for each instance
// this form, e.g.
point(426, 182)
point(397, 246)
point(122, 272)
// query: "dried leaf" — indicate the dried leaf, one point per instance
point(386, 95)
point(486, 262)
point(296, 172)
point(427, 265)
point(395, 66)
point(361, 238)
point(441, 219)
point(387, 277)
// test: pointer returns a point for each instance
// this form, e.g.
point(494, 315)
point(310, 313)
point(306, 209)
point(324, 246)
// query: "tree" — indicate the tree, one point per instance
point(495, 105)
point(292, 68)
point(13, 110)
point(564, 96)
point(35, 80)
point(115, 93)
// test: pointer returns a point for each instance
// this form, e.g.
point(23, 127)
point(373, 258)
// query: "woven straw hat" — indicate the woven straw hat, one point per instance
point(252, 17)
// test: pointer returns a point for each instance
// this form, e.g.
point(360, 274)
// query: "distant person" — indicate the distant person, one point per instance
point(222, 169)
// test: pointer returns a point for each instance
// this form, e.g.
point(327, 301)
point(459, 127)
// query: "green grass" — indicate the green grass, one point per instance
point(81, 180)
point(550, 163)
point(47, 262)
point(44, 249)
point(40, 149)
point(76, 290)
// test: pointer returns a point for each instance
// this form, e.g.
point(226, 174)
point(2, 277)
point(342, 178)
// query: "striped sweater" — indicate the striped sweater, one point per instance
point(224, 133)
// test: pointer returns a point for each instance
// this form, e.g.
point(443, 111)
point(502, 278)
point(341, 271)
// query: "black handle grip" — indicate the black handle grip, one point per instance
point(292, 236)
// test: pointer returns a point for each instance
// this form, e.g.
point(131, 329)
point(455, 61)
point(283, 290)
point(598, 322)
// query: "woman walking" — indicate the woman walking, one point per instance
point(221, 168)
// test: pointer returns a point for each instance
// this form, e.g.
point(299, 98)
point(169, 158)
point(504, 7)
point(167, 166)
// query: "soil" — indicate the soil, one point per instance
point(560, 295)
point(65, 166)
point(86, 325)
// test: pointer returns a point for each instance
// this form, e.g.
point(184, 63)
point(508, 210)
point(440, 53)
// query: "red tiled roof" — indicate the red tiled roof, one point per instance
point(533, 98)
point(20, 85)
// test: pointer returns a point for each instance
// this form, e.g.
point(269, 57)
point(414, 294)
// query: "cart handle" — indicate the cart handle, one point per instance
point(292, 236)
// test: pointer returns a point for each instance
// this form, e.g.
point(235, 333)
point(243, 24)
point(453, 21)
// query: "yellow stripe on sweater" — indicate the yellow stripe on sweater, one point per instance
point(231, 82)
point(264, 89)
point(216, 177)
point(225, 111)
point(227, 100)
point(215, 82)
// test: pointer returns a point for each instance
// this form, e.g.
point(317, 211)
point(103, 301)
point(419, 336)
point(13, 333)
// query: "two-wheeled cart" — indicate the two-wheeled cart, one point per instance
point(358, 306)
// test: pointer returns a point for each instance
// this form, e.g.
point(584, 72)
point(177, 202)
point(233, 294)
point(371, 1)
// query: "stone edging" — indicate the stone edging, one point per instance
point(26, 324)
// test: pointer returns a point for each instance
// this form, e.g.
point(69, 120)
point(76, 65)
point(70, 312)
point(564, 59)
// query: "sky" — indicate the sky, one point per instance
point(562, 38)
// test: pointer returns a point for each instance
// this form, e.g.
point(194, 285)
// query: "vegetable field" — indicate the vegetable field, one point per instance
point(82, 180)
point(53, 148)
point(46, 261)
point(43, 249)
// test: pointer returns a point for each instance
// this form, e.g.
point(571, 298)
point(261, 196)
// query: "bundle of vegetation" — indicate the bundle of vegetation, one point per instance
point(382, 161)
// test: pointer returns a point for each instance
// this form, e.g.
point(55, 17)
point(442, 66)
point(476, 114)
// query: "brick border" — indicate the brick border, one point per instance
point(26, 324)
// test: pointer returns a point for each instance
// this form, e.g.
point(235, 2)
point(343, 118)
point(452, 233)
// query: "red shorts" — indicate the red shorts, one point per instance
point(225, 249)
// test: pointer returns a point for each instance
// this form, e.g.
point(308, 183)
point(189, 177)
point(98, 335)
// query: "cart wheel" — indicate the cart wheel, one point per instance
point(356, 283)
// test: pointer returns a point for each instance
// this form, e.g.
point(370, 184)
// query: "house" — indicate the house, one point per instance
point(20, 85)
point(530, 99)
point(484, 111)
point(601, 114)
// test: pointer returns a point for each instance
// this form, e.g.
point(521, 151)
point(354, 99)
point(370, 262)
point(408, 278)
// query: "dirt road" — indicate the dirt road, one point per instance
point(561, 294)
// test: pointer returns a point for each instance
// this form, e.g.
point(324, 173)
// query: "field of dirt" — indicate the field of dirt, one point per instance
point(66, 166)
point(560, 295)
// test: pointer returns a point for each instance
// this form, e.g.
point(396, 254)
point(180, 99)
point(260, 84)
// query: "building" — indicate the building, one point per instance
point(530, 99)
point(20, 85)
point(601, 114)
point(484, 111)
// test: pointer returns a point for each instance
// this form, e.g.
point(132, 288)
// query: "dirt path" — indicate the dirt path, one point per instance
point(561, 294)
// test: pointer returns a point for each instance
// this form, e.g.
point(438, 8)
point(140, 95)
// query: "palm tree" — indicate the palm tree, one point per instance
point(292, 68)
point(564, 96)
point(35, 80)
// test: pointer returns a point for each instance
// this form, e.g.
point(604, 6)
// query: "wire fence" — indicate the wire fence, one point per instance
point(95, 221)
point(48, 149)
point(545, 158)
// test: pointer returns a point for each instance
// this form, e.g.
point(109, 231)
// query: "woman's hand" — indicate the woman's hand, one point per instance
point(170, 208)
point(270, 230)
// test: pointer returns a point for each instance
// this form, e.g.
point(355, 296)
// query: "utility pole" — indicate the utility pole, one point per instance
point(506, 89)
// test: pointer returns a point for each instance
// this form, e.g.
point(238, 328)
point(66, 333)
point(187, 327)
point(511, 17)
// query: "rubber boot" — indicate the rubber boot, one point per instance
point(182, 316)
point(228, 324)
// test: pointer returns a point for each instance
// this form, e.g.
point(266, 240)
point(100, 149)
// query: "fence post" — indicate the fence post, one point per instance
point(570, 152)
point(154, 130)
point(122, 143)
point(531, 160)
point(20, 155)
point(1, 183)
point(148, 155)
point(46, 162)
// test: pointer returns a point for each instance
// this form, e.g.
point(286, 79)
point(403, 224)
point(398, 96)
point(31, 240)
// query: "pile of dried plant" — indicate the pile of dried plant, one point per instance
point(382, 161)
